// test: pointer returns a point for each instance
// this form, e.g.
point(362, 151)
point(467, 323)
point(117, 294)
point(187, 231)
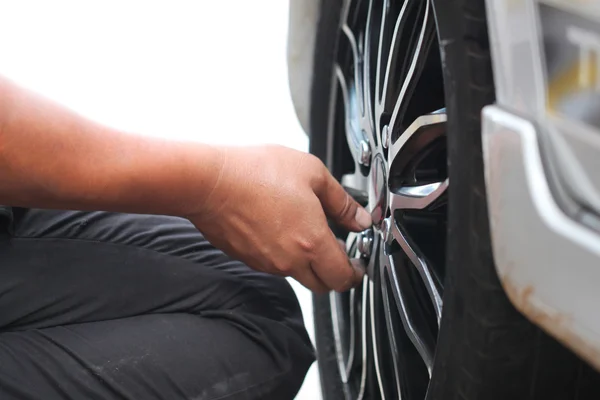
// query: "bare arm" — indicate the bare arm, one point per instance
point(267, 206)
point(50, 157)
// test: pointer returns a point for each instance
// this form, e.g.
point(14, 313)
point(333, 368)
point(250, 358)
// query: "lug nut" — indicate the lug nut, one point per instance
point(365, 153)
point(365, 243)
point(386, 230)
point(385, 137)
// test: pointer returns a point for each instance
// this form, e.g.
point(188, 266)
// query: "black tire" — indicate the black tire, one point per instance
point(486, 350)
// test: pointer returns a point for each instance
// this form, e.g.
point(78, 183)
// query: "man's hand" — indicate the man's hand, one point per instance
point(269, 208)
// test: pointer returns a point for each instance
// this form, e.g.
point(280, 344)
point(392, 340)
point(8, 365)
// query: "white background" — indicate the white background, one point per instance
point(212, 71)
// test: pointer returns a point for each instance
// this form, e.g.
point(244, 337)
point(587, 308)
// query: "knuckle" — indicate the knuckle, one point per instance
point(309, 245)
point(314, 161)
point(285, 267)
point(317, 169)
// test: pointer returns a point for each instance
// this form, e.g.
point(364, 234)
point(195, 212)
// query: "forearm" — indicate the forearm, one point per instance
point(51, 157)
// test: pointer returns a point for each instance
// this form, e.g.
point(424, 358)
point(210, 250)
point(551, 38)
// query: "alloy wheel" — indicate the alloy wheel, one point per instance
point(387, 145)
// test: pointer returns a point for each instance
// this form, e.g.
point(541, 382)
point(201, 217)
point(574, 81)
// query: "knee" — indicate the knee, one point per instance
point(279, 328)
point(276, 354)
point(283, 300)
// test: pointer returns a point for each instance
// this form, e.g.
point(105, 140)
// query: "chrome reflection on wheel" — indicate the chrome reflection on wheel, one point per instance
point(387, 145)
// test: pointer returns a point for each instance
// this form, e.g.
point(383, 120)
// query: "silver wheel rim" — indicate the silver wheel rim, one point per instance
point(387, 116)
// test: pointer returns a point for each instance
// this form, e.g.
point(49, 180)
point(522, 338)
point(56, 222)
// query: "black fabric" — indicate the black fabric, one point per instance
point(6, 219)
point(119, 306)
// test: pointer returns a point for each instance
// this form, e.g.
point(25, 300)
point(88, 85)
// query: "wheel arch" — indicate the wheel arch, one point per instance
point(302, 32)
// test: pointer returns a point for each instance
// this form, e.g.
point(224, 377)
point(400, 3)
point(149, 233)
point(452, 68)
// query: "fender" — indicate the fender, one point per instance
point(302, 30)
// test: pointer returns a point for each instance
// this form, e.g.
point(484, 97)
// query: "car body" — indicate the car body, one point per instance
point(541, 145)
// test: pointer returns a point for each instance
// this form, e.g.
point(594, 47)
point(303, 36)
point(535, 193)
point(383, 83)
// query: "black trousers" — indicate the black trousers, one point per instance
point(119, 306)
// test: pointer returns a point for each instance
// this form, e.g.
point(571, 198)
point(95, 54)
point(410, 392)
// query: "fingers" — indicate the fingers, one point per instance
point(358, 263)
point(307, 277)
point(340, 206)
point(334, 269)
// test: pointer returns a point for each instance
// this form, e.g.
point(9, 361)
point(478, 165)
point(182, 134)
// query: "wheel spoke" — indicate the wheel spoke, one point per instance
point(423, 131)
point(345, 319)
point(380, 49)
point(364, 331)
point(417, 197)
point(335, 305)
point(356, 54)
point(367, 89)
point(400, 20)
point(377, 353)
point(419, 53)
point(423, 268)
point(352, 345)
point(354, 135)
point(415, 326)
point(391, 330)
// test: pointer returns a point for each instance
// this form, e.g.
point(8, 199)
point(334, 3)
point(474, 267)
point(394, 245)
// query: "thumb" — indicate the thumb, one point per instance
point(341, 207)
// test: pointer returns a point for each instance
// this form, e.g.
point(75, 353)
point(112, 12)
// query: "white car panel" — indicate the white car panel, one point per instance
point(542, 157)
point(303, 19)
point(547, 262)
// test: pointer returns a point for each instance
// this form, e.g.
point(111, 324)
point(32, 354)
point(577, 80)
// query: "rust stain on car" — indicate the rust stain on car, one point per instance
point(558, 325)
